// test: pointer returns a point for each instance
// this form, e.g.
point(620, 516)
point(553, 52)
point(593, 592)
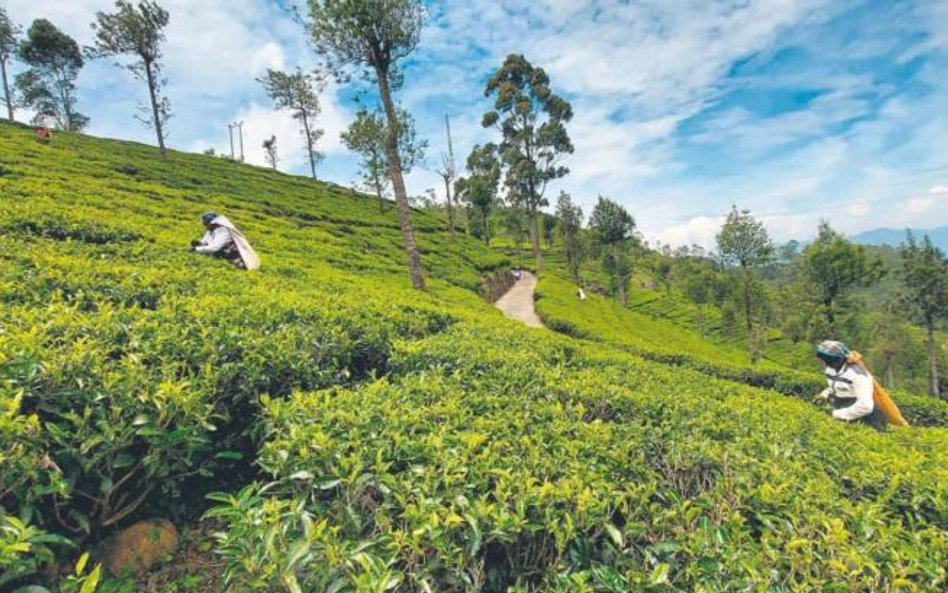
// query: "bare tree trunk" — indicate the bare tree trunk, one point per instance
point(309, 143)
point(486, 228)
point(398, 183)
point(535, 239)
point(933, 386)
point(830, 318)
point(378, 192)
point(67, 102)
point(6, 89)
point(889, 373)
point(748, 317)
point(156, 116)
point(447, 192)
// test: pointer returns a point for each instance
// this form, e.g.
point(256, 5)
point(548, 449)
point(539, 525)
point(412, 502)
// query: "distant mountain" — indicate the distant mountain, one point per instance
point(896, 237)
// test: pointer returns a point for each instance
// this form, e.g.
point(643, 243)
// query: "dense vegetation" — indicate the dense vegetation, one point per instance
point(365, 436)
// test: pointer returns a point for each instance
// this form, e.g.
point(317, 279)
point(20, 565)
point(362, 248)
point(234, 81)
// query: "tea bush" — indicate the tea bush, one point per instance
point(364, 436)
point(601, 319)
point(495, 460)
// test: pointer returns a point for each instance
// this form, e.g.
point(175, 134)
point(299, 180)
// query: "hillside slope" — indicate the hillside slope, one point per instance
point(408, 441)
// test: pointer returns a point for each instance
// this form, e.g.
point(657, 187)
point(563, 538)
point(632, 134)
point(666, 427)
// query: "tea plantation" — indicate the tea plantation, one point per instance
point(343, 432)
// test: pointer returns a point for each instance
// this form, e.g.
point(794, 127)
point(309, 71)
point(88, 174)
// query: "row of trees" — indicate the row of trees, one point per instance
point(822, 279)
point(132, 35)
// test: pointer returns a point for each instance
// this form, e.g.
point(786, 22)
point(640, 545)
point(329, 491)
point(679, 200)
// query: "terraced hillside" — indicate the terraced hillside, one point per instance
point(362, 436)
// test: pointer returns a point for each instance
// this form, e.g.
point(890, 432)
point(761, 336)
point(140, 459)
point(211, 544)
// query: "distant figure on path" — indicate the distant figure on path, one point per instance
point(581, 294)
point(222, 239)
point(852, 390)
point(44, 135)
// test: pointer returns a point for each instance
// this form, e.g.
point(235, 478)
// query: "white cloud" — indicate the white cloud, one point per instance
point(917, 205)
point(858, 209)
point(700, 230)
point(938, 189)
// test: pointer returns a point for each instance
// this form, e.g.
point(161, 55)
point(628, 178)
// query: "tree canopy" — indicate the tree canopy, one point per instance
point(298, 91)
point(532, 121)
point(49, 85)
point(137, 31)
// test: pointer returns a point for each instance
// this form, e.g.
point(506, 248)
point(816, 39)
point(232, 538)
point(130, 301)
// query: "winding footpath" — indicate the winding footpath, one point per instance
point(517, 303)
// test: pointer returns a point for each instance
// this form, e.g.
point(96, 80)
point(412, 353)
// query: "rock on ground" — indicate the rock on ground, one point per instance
point(137, 549)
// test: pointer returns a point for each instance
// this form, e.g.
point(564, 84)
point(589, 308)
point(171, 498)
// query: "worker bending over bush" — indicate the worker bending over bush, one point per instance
point(222, 239)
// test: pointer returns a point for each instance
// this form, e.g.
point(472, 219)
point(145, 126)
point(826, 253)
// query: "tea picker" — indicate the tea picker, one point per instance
point(852, 390)
point(222, 239)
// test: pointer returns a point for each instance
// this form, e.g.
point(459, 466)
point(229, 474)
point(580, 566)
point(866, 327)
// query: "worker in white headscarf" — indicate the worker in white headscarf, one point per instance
point(849, 386)
point(222, 239)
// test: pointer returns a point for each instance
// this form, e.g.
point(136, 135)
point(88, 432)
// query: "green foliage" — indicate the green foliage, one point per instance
point(372, 38)
point(130, 371)
point(366, 136)
point(137, 32)
point(532, 121)
point(607, 469)
point(743, 241)
point(570, 217)
point(479, 188)
point(925, 277)
point(365, 436)
point(49, 85)
point(611, 228)
point(298, 92)
point(835, 267)
point(9, 40)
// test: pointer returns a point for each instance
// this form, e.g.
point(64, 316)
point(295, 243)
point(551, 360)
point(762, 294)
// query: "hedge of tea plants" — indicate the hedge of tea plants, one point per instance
point(353, 434)
point(495, 460)
point(131, 369)
point(602, 319)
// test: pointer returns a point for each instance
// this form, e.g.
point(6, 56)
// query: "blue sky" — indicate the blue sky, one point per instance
point(795, 109)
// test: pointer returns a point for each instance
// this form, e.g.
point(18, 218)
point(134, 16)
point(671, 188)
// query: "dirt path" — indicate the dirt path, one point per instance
point(517, 303)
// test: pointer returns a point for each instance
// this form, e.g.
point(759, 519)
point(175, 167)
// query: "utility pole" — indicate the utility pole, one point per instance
point(240, 133)
point(230, 131)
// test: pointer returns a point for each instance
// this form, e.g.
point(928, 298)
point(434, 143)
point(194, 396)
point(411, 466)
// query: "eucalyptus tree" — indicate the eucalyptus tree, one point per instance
point(137, 32)
point(531, 119)
point(372, 39)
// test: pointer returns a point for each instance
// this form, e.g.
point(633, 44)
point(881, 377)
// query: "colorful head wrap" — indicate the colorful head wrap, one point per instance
point(831, 351)
point(208, 217)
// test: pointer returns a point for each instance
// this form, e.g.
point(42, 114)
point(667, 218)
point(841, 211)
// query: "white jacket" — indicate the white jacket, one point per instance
point(850, 383)
point(214, 240)
point(222, 235)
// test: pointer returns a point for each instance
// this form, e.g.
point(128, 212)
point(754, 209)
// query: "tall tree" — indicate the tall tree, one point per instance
point(571, 222)
point(743, 241)
point(611, 227)
point(531, 119)
point(137, 32)
point(374, 37)
point(549, 226)
point(479, 188)
point(835, 267)
point(270, 150)
point(367, 136)
point(516, 230)
point(49, 85)
point(9, 38)
point(298, 92)
point(925, 279)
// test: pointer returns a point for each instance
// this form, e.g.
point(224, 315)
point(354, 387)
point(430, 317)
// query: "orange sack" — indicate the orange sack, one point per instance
point(880, 396)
